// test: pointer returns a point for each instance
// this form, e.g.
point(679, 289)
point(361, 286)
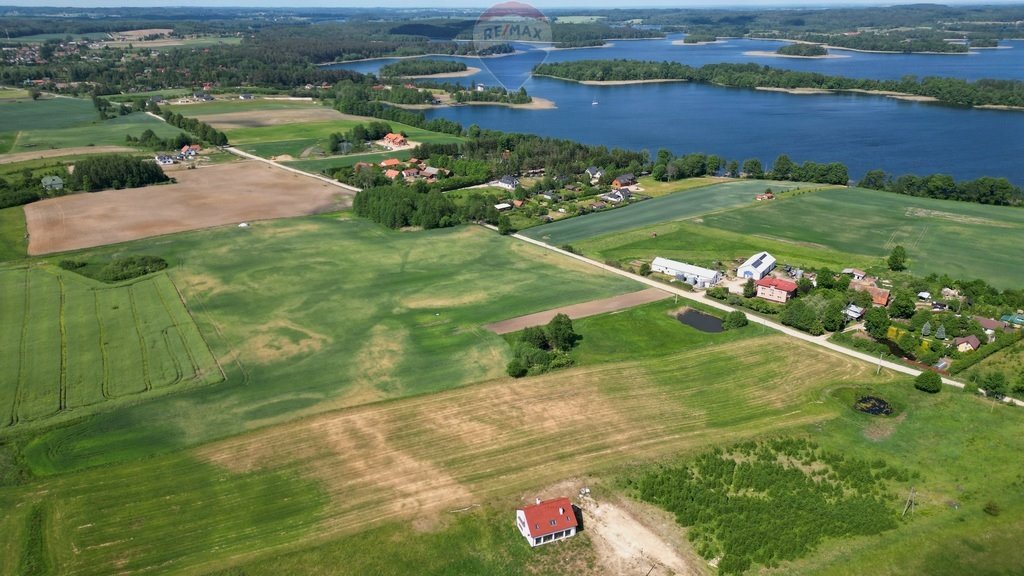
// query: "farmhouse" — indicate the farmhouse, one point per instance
point(968, 343)
point(164, 160)
point(392, 174)
point(687, 272)
point(879, 296)
point(594, 173)
point(757, 266)
point(775, 289)
point(855, 273)
point(508, 182)
point(991, 327)
point(410, 173)
point(547, 521)
point(52, 183)
point(617, 196)
point(390, 163)
point(624, 180)
point(769, 195)
point(395, 139)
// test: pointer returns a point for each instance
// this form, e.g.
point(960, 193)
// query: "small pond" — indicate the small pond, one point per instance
point(873, 405)
point(700, 321)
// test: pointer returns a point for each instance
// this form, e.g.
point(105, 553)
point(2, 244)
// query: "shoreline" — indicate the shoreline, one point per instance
point(831, 47)
point(767, 54)
point(622, 82)
point(469, 71)
point(357, 60)
point(536, 104)
point(885, 93)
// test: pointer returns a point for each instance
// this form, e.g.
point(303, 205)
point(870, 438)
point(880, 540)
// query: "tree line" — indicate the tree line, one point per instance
point(200, 129)
point(987, 92)
point(421, 67)
point(114, 171)
point(984, 190)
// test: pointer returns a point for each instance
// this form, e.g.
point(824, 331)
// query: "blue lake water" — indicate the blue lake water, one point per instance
point(864, 132)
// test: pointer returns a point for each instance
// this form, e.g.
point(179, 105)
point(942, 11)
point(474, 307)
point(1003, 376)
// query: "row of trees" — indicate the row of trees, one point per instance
point(984, 190)
point(198, 128)
point(948, 90)
point(114, 171)
point(149, 139)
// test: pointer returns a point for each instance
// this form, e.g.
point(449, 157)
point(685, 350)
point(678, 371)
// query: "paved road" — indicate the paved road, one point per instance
point(699, 297)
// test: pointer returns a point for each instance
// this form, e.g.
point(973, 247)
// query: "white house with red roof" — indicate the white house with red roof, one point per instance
point(547, 521)
point(775, 289)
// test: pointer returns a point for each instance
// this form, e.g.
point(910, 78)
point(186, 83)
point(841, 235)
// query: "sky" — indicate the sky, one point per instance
point(544, 4)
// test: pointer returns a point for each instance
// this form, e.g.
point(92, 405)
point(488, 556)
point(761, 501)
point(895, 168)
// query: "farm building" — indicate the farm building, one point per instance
point(547, 521)
point(769, 195)
point(508, 182)
point(775, 289)
point(879, 296)
point(392, 174)
point(854, 312)
point(395, 139)
point(855, 273)
point(687, 272)
point(503, 206)
point(757, 266)
point(968, 343)
point(623, 181)
point(52, 183)
point(390, 163)
point(1014, 319)
point(164, 160)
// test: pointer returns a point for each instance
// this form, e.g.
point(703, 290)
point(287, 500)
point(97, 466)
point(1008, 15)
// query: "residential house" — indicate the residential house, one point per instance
point(594, 206)
point(624, 180)
point(617, 196)
point(775, 289)
point(164, 160)
point(393, 139)
point(991, 327)
point(508, 182)
point(392, 174)
point(687, 272)
point(879, 296)
point(547, 521)
point(857, 275)
point(430, 173)
point(968, 343)
point(594, 173)
point(757, 266)
point(766, 196)
point(410, 173)
point(245, 96)
point(52, 183)
point(390, 163)
point(925, 296)
point(202, 97)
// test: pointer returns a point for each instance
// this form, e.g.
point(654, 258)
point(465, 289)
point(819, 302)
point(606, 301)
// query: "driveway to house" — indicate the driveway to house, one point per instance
point(697, 297)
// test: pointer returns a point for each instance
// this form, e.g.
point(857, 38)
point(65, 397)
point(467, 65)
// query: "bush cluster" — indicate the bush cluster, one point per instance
point(128, 267)
point(538, 349)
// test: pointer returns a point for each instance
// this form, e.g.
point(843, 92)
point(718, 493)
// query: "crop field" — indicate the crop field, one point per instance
point(75, 345)
point(687, 241)
point(940, 236)
point(13, 245)
point(70, 123)
point(686, 204)
point(374, 311)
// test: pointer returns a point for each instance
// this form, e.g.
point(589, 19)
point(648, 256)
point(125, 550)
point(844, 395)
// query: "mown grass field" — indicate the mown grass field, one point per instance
point(13, 244)
point(69, 123)
point(688, 203)
point(944, 237)
point(374, 311)
point(333, 163)
point(655, 188)
point(76, 345)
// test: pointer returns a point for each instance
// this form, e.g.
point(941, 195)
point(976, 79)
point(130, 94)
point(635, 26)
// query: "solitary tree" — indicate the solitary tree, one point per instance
point(735, 319)
point(505, 225)
point(898, 258)
point(749, 289)
point(903, 304)
point(994, 383)
point(876, 321)
point(941, 332)
point(928, 381)
point(926, 330)
point(561, 335)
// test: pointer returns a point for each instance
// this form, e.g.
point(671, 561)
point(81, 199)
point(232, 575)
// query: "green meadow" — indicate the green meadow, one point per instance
point(940, 236)
point(13, 244)
point(687, 203)
point(333, 163)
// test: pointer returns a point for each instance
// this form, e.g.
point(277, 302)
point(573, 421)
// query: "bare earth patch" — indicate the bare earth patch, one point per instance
point(592, 308)
point(266, 118)
point(883, 428)
point(280, 340)
point(626, 546)
point(202, 198)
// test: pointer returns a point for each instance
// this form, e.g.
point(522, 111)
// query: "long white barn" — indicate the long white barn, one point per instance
point(687, 272)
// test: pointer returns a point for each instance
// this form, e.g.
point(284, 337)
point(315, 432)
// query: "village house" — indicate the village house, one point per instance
point(594, 173)
point(410, 173)
point(757, 266)
point(624, 180)
point(769, 195)
point(245, 96)
point(392, 174)
point(508, 182)
point(775, 289)
point(857, 275)
point(430, 173)
point(52, 183)
point(594, 206)
point(991, 326)
point(164, 160)
point(968, 343)
point(688, 273)
point(390, 163)
point(393, 139)
point(879, 296)
point(617, 196)
point(547, 521)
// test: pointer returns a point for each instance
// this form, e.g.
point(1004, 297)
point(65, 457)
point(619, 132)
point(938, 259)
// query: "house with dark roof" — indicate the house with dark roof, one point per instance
point(624, 180)
point(508, 182)
point(775, 289)
point(617, 196)
point(968, 343)
point(547, 521)
point(594, 173)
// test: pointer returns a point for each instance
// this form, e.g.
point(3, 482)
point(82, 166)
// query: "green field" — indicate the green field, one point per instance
point(225, 104)
point(335, 162)
point(686, 204)
point(940, 236)
point(70, 122)
point(77, 346)
point(13, 245)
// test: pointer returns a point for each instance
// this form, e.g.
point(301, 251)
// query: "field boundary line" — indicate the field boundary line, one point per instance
point(725, 307)
point(231, 349)
point(13, 420)
point(105, 381)
point(181, 338)
point(63, 400)
point(142, 341)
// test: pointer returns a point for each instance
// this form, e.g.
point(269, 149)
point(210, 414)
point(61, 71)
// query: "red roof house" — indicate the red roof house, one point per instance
point(392, 174)
point(395, 139)
point(547, 521)
point(390, 162)
point(775, 289)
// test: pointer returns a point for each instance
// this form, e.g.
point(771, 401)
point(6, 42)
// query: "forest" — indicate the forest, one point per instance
point(421, 67)
point(806, 50)
point(764, 502)
point(984, 190)
point(114, 171)
point(985, 92)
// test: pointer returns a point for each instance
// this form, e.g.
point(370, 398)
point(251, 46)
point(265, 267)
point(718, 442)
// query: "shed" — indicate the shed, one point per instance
point(624, 180)
point(854, 312)
point(547, 521)
point(502, 207)
point(757, 266)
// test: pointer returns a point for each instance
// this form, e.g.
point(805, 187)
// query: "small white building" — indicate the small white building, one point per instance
point(687, 272)
point(757, 266)
point(502, 207)
point(507, 182)
point(547, 521)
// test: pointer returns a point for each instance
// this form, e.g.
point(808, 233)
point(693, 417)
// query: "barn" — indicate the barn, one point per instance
point(547, 521)
point(687, 272)
point(757, 266)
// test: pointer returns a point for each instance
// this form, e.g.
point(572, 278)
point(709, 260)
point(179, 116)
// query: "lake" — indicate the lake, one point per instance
point(864, 132)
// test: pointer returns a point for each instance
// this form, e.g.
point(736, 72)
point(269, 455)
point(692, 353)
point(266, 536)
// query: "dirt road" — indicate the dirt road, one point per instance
point(592, 308)
point(58, 152)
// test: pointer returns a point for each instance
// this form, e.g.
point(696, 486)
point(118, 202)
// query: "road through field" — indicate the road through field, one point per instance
point(817, 340)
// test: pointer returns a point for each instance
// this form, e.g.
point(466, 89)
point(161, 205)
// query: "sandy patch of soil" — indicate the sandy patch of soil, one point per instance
point(592, 308)
point(625, 545)
point(469, 71)
point(58, 152)
point(202, 198)
point(374, 364)
point(883, 428)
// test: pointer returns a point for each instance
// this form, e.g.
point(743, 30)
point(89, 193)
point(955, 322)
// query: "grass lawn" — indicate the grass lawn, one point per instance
point(655, 188)
point(374, 311)
point(688, 204)
point(86, 346)
point(13, 245)
point(13, 93)
point(687, 241)
point(940, 236)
